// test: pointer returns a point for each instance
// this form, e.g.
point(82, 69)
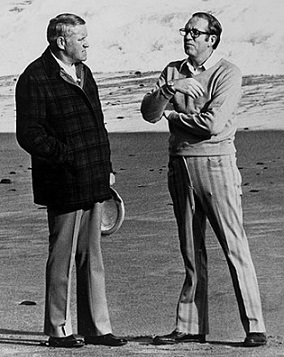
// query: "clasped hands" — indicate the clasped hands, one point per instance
point(188, 86)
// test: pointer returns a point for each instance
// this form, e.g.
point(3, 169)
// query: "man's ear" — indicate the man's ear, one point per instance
point(212, 40)
point(61, 42)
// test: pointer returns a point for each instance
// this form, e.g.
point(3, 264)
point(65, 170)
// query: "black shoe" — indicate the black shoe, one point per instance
point(178, 337)
point(71, 341)
point(255, 339)
point(107, 340)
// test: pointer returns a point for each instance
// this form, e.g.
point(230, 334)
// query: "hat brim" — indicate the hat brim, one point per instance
point(112, 214)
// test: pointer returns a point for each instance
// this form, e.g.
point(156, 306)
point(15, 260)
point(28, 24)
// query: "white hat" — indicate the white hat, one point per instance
point(112, 214)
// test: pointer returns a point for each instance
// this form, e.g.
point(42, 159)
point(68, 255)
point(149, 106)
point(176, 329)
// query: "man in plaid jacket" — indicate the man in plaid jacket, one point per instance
point(60, 124)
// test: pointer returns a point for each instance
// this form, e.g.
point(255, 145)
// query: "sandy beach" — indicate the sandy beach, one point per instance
point(144, 269)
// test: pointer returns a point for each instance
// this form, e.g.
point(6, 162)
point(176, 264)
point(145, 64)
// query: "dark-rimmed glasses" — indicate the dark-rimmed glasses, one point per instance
point(194, 33)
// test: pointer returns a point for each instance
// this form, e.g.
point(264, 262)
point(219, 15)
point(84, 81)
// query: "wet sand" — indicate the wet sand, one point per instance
point(261, 106)
point(144, 270)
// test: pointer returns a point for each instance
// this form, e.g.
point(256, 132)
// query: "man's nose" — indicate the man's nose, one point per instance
point(188, 35)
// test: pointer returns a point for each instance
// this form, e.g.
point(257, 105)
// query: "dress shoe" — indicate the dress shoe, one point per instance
point(255, 339)
point(71, 341)
point(107, 340)
point(178, 337)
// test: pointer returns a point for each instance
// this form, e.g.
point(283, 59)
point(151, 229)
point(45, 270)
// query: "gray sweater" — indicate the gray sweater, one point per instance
point(204, 126)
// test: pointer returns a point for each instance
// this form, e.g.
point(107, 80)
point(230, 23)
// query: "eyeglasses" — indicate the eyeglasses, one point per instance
point(194, 33)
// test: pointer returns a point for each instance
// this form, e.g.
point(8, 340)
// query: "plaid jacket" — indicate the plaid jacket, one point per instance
point(61, 125)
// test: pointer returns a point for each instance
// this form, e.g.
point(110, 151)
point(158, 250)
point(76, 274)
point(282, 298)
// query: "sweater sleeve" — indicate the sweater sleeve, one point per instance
point(157, 101)
point(31, 131)
point(218, 110)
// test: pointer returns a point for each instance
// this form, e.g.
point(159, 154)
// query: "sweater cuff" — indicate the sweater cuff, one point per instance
point(167, 91)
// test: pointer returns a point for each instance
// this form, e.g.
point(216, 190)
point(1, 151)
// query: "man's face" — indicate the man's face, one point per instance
point(76, 44)
point(197, 47)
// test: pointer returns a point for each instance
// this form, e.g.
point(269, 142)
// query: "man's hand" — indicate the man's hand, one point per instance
point(189, 86)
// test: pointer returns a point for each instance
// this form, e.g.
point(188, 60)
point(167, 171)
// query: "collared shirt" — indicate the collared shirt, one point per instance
point(70, 70)
point(210, 62)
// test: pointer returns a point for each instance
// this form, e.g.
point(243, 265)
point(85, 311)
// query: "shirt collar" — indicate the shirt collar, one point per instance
point(71, 70)
point(210, 62)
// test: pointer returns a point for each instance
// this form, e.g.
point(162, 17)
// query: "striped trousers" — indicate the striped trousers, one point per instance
point(210, 187)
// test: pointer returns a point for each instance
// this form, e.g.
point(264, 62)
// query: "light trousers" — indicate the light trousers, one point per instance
point(75, 238)
point(210, 187)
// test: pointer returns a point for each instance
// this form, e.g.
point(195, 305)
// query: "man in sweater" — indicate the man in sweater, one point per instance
point(60, 124)
point(199, 97)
